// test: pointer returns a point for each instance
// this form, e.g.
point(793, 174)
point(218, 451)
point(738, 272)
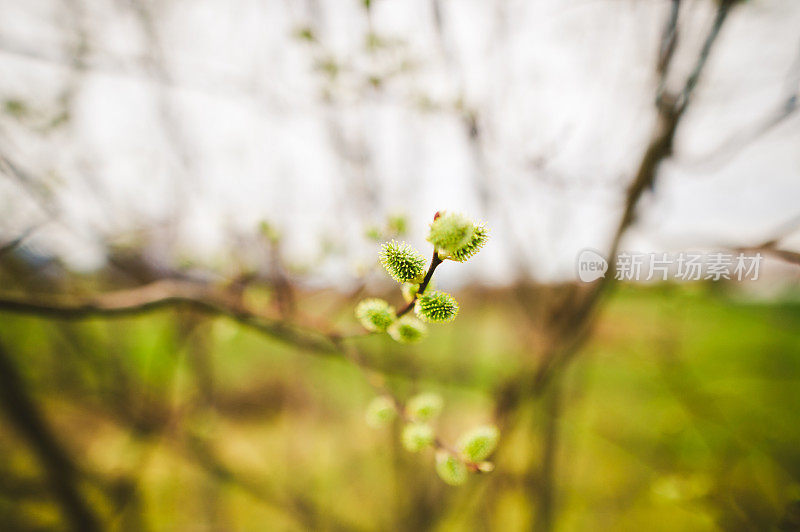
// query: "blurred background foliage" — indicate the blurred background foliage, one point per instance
point(192, 196)
point(680, 415)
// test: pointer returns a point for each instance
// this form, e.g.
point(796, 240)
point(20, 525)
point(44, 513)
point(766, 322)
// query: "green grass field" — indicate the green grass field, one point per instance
point(681, 413)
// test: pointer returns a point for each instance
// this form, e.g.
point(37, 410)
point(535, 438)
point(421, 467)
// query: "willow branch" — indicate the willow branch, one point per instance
point(573, 330)
point(164, 294)
point(435, 261)
point(175, 294)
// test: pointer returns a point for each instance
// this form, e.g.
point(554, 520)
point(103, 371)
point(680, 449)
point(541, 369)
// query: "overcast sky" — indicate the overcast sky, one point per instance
point(196, 119)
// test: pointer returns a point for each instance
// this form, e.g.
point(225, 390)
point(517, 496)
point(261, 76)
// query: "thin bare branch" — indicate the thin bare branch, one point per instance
point(785, 109)
point(162, 294)
point(62, 473)
point(14, 243)
point(669, 40)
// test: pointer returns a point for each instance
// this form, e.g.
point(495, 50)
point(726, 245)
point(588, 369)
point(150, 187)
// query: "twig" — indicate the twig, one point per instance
point(378, 383)
point(722, 14)
point(435, 261)
point(11, 245)
point(572, 330)
point(162, 294)
point(669, 40)
point(62, 473)
point(785, 108)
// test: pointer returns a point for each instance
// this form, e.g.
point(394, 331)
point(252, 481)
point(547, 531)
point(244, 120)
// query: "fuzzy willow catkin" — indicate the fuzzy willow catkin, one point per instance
point(477, 444)
point(456, 237)
point(407, 330)
point(450, 469)
point(479, 237)
point(380, 412)
point(436, 307)
point(417, 436)
point(449, 231)
point(424, 406)
point(402, 261)
point(375, 314)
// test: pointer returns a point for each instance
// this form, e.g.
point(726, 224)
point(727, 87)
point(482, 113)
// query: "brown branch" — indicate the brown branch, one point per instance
point(734, 145)
point(723, 10)
point(669, 40)
point(435, 261)
point(61, 472)
point(792, 257)
point(13, 244)
point(163, 294)
point(571, 331)
point(771, 245)
point(177, 294)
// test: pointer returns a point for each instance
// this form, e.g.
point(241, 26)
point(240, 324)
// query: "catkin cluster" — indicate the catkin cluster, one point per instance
point(454, 237)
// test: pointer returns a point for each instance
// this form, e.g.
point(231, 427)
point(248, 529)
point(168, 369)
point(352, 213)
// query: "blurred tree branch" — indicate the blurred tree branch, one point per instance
point(168, 293)
point(214, 301)
point(14, 243)
point(735, 143)
point(61, 472)
point(572, 324)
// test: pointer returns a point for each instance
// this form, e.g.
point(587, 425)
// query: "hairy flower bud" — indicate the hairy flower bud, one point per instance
point(479, 237)
point(417, 436)
point(456, 237)
point(436, 307)
point(424, 406)
point(449, 231)
point(407, 330)
point(375, 314)
point(478, 443)
point(380, 412)
point(450, 469)
point(402, 262)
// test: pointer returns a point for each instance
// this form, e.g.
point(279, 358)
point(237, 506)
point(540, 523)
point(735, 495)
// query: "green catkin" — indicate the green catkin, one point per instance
point(450, 231)
point(450, 469)
point(436, 307)
point(407, 330)
point(417, 436)
point(479, 237)
point(402, 262)
point(477, 444)
point(424, 406)
point(375, 314)
point(456, 237)
point(380, 412)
